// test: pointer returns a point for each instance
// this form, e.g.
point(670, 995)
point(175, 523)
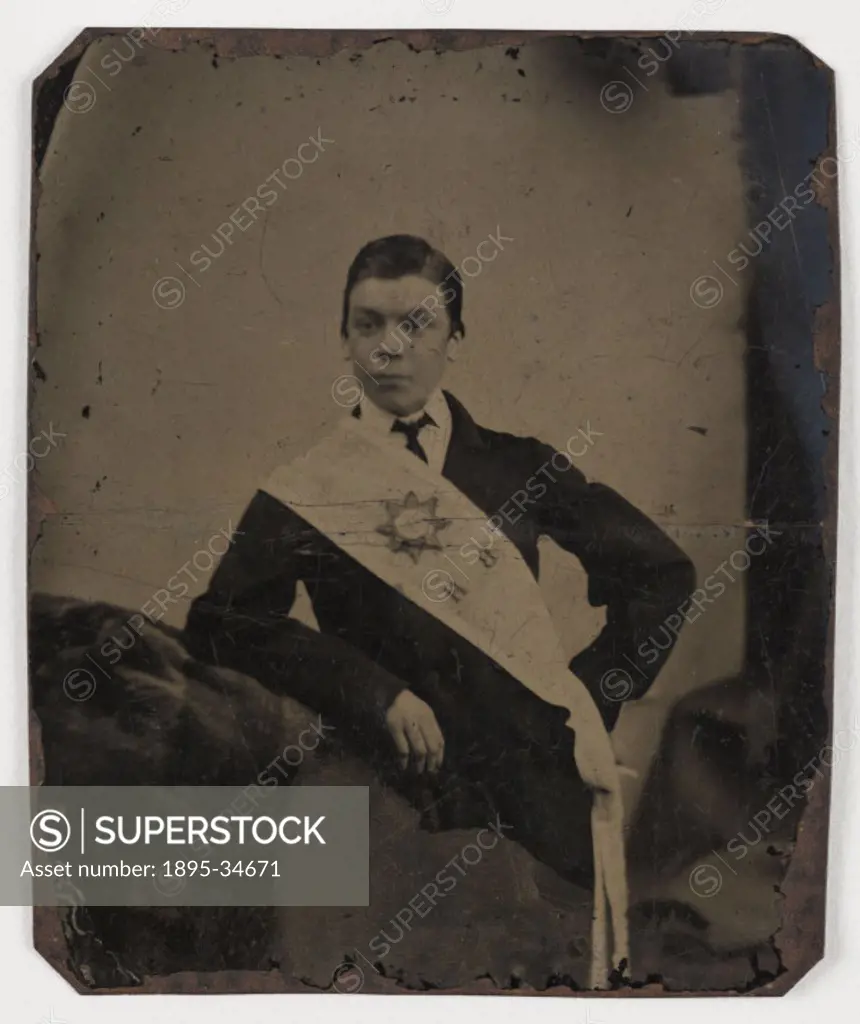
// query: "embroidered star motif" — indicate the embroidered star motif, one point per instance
point(413, 525)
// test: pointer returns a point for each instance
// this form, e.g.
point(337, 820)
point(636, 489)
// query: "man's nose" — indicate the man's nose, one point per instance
point(398, 340)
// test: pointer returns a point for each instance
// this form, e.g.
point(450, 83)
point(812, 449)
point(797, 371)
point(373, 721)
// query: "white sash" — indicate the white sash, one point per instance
point(413, 529)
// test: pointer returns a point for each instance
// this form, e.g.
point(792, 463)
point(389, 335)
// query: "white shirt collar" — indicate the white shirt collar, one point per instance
point(434, 439)
point(436, 408)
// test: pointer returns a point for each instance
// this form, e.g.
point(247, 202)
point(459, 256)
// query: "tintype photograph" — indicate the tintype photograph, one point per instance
point(452, 415)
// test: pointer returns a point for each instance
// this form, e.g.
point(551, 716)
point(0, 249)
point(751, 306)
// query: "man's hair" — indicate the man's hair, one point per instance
point(398, 256)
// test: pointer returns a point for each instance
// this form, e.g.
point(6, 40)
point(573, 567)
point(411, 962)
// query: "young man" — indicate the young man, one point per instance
point(415, 532)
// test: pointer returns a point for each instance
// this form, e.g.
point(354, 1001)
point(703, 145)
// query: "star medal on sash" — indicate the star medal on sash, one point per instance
point(413, 525)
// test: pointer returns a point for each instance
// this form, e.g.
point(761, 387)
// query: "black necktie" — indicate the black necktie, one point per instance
point(412, 430)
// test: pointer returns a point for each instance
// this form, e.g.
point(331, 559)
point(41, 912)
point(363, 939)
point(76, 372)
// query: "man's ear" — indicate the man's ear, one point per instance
point(454, 343)
point(344, 346)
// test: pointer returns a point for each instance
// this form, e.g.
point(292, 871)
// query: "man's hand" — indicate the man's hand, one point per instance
point(415, 731)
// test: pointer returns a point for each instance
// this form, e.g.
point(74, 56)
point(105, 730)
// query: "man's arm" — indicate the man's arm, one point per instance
point(634, 570)
point(243, 621)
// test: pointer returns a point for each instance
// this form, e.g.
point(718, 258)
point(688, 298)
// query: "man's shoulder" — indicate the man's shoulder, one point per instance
point(515, 445)
point(519, 448)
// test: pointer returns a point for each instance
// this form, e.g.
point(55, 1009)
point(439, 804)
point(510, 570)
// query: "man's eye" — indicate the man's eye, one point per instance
point(421, 320)
point(365, 326)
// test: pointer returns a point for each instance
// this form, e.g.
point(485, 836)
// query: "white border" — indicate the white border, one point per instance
point(34, 34)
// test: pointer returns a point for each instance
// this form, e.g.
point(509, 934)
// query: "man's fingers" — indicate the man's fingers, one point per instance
point(416, 732)
point(401, 743)
point(418, 745)
point(435, 744)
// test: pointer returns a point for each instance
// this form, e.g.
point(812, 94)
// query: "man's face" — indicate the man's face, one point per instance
point(399, 348)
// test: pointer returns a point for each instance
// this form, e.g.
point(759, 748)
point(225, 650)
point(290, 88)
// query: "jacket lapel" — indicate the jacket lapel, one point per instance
point(466, 453)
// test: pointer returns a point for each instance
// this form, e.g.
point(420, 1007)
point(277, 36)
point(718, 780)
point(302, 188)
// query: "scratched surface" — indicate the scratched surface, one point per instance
point(113, 372)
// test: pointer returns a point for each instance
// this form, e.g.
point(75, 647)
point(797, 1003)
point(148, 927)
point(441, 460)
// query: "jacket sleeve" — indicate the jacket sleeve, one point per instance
point(634, 570)
point(243, 621)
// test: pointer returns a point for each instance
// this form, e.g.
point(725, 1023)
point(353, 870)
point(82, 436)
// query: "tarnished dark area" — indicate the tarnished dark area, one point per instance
point(737, 773)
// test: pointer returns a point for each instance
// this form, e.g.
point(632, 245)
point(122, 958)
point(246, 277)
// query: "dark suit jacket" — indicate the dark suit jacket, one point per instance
point(501, 741)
